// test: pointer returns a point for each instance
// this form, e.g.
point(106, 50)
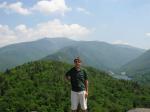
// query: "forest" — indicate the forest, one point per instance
point(40, 86)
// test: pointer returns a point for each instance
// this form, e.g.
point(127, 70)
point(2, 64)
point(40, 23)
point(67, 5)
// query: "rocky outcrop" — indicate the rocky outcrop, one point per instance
point(140, 110)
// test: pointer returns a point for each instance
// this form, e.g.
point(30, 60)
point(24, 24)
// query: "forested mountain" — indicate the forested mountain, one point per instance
point(100, 55)
point(20, 53)
point(139, 68)
point(104, 55)
point(40, 86)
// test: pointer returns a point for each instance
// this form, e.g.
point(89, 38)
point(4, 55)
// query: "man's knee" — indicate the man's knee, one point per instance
point(84, 107)
point(74, 108)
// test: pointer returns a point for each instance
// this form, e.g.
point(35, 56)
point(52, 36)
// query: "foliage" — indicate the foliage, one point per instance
point(139, 68)
point(40, 86)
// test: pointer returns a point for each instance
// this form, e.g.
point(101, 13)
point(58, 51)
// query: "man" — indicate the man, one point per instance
point(79, 84)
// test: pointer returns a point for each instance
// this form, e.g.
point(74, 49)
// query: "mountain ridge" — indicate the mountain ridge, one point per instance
point(20, 53)
point(139, 68)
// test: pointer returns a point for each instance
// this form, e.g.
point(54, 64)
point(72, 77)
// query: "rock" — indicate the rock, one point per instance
point(140, 110)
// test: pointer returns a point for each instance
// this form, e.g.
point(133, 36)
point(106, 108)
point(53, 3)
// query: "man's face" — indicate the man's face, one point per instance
point(77, 63)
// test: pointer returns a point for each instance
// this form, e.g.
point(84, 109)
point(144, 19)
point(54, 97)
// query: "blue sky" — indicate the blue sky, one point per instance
point(113, 21)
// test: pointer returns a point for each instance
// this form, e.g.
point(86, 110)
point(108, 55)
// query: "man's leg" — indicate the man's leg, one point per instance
point(83, 101)
point(78, 110)
point(74, 101)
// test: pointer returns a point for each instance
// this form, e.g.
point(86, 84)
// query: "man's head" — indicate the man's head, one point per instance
point(77, 62)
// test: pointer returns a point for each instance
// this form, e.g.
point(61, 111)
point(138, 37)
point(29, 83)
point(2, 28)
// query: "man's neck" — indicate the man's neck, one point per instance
point(77, 68)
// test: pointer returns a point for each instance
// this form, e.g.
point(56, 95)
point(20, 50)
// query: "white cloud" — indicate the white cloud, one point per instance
point(50, 29)
point(57, 29)
point(43, 6)
point(147, 34)
point(15, 7)
point(53, 6)
point(6, 35)
point(21, 28)
point(120, 42)
point(3, 5)
point(79, 9)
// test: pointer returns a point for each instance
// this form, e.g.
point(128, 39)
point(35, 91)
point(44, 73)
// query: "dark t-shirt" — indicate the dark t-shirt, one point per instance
point(77, 79)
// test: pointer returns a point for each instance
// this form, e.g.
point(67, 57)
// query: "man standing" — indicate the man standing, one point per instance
point(79, 84)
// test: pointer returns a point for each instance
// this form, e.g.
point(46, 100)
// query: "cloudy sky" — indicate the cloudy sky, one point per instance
point(113, 21)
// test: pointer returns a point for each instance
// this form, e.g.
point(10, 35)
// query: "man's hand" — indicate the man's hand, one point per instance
point(86, 94)
point(86, 88)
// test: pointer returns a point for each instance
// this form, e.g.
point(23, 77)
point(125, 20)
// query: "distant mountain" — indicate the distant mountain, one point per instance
point(94, 53)
point(20, 53)
point(100, 55)
point(40, 87)
point(140, 64)
point(139, 68)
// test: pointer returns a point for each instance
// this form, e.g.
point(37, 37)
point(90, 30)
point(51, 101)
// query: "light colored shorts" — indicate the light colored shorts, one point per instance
point(78, 98)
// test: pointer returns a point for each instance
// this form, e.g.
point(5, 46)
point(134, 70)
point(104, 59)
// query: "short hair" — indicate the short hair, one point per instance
point(77, 59)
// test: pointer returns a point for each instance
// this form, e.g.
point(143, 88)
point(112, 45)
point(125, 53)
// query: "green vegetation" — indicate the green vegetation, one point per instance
point(17, 54)
point(40, 86)
point(139, 68)
point(99, 55)
point(104, 54)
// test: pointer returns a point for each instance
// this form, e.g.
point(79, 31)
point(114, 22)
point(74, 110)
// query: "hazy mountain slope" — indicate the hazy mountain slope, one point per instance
point(139, 68)
point(97, 54)
point(140, 64)
point(20, 53)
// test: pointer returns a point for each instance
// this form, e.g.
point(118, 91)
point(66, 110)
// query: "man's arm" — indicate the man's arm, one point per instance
point(86, 81)
point(67, 78)
point(86, 88)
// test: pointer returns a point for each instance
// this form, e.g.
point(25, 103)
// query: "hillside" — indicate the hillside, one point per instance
point(40, 86)
point(16, 54)
point(105, 54)
point(139, 68)
point(99, 55)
